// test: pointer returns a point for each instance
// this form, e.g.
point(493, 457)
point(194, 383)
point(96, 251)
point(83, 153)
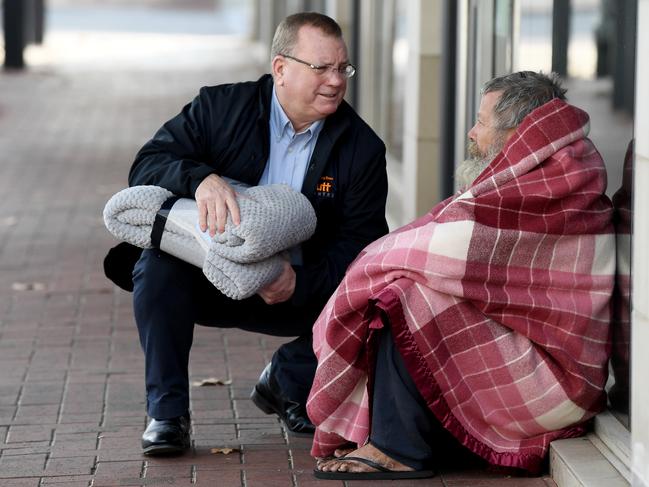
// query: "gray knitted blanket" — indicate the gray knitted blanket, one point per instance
point(241, 260)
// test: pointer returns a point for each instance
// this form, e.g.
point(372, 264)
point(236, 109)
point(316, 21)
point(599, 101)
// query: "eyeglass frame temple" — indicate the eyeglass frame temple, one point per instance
point(315, 66)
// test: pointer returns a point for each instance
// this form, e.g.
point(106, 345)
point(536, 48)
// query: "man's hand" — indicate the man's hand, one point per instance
point(282, 288)
point(214, 198)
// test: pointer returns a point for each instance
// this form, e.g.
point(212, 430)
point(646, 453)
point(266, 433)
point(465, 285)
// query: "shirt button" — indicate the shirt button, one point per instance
point(290, 149)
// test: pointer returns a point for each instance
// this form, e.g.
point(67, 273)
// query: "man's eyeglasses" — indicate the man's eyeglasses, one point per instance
point(345, 70)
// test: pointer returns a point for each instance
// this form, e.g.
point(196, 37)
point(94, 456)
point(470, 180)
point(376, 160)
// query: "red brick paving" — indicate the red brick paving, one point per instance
point(71, 371)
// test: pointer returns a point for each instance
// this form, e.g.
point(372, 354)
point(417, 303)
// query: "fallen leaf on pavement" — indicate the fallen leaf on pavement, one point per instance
point(224, 451)
point(28, 286)
point(8, 221)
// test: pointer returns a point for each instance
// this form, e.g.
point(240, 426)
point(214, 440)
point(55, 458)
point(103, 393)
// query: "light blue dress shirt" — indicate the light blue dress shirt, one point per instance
point(289, 157)
point(290, 152)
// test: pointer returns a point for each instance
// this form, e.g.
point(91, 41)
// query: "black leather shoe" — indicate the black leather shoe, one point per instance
point(166, 436)
point(268, 397)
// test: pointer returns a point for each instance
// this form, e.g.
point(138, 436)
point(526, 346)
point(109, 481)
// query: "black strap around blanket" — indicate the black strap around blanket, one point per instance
point(161, 220)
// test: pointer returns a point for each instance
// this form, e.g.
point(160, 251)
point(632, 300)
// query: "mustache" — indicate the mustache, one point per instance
point(473, 151)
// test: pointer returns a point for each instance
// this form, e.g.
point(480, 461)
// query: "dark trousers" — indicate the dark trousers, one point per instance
point(170, 296)
point(402, 425)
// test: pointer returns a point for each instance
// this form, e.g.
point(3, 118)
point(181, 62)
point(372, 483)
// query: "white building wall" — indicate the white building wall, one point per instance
point(640, 273)
point(421, 164)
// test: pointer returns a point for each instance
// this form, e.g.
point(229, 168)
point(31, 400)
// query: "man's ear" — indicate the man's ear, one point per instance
point(278, 66)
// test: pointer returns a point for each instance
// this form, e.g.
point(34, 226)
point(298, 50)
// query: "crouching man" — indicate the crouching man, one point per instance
point(291, 126)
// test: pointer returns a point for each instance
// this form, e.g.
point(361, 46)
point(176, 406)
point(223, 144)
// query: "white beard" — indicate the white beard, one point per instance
point(469, 169)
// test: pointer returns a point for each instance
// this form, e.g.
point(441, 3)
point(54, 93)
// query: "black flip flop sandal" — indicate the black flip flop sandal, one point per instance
point(381, 473)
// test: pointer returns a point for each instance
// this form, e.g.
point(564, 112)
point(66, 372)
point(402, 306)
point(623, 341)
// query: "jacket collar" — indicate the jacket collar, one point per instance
point(265, 96)
point(334, 126)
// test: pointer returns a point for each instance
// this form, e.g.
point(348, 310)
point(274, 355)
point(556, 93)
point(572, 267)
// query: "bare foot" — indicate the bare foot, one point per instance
point(339, 452)
point(367, 451)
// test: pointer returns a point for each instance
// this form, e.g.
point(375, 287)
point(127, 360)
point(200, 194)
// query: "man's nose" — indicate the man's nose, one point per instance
point(471, 134)
point(335, 77)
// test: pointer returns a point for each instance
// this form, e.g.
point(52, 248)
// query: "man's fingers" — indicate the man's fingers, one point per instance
point(233, 206)
point(212, 219)
point(202, 215)
point(266, 296)
point(213, 215)
point(216, 197)
point(221, 214)
point(282, 288)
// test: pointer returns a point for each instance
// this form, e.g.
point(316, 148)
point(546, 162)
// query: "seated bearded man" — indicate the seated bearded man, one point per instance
point(486, 321)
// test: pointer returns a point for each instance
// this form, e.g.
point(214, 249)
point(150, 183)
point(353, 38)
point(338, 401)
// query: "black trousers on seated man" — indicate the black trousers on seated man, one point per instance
point(402, 426)
point(170, 296)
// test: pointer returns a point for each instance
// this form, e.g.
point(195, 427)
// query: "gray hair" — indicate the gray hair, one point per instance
point(285, 37)
point(522, 92)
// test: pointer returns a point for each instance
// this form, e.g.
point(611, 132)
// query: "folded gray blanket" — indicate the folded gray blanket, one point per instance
point(238, 262)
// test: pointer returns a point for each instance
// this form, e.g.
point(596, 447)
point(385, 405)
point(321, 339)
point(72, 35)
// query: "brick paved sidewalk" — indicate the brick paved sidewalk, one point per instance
point(71, 371)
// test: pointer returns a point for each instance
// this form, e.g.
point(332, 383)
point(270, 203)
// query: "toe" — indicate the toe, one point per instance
point(342, 467)
point(341, 452)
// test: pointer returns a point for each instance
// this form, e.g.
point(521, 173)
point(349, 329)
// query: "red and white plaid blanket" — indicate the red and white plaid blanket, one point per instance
point(498, 300)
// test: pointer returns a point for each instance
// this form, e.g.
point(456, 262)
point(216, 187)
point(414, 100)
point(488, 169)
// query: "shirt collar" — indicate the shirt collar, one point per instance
point(280, 122)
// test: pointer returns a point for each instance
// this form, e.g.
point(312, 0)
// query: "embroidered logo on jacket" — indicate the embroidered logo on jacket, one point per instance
point(325, 187)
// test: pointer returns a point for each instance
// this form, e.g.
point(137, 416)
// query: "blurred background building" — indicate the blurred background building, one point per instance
point(421, 64)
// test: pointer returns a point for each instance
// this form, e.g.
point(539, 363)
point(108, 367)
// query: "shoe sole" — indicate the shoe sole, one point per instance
point(267, 407)
point(296, 434)
point(154, 450)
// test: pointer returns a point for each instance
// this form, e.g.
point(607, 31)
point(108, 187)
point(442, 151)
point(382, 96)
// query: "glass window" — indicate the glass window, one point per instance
point(600, 67)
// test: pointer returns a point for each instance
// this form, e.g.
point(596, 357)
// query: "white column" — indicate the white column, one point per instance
point(342, 12)
point(269, 15)
point(640, 273)
point(421, 166)
point(369, 67)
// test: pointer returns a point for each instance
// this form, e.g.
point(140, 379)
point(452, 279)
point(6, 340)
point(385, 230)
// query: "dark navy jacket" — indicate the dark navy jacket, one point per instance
point(225, 130)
